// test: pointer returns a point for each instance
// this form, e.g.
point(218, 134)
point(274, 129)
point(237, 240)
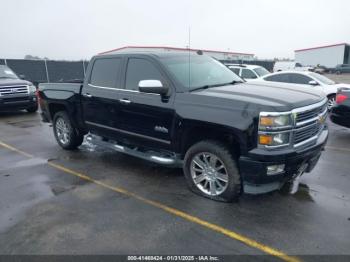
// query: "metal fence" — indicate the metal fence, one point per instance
point(41, 71)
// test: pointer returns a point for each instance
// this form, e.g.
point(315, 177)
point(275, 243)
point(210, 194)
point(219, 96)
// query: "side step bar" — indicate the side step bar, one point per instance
point(156, 157)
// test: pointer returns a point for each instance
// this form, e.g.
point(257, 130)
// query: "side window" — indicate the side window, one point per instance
point(140, 69)
point(278, 78)
point(105, 72)
point(248, 74)
point(299, 79)
point(298, 65)
point(234, 70)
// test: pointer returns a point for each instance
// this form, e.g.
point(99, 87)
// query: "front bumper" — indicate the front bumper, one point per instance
point(17, 102)
point(253, 168)
point(340, 115)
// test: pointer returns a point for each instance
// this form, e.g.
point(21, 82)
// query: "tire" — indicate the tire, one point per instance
point(331, 101)
point(338, 72)
point(66, 135)
point(32, 109)
point(210, 150)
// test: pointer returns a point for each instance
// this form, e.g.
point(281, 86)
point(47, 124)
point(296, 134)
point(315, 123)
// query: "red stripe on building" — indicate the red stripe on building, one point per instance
point(318, 47)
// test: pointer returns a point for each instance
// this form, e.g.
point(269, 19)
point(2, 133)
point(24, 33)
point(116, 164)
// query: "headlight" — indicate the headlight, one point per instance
point(32, 89)
point(274, 139)
point(275, 121)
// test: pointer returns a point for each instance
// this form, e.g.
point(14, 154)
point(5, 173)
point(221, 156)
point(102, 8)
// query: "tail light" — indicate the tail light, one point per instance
point(341, 98)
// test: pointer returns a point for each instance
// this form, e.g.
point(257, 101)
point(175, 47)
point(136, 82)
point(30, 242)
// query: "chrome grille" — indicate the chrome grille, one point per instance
point(13, 90)
point(309, 122)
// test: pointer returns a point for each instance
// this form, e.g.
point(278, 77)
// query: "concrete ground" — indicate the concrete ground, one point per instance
point(96, 201)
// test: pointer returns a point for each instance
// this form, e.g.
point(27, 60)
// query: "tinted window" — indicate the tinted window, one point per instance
point(234, 70)
point(248, 74)
point(140, 69)
point(105, 71)
point(298, 65)
point(261, 71)
point(299, 79)
point(278, 78)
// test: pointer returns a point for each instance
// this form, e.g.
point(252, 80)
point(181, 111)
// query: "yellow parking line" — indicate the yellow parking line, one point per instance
point(229, 233)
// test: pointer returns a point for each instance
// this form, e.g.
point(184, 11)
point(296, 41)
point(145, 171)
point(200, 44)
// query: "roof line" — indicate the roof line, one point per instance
point(174, 48)
point(318, 47)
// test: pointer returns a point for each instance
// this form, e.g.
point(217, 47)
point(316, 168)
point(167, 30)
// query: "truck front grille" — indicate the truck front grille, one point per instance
point(13, 90)
point(309, 122)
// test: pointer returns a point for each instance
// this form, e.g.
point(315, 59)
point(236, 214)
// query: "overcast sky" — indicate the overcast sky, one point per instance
point(78, 29)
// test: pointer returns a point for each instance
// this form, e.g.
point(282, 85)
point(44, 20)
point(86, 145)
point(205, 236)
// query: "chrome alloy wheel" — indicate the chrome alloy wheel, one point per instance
point(331, 102)
point(209, 173)
point(62, 130)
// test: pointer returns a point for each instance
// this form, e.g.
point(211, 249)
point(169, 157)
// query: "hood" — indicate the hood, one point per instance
point(13, 82)
point(272, 95)
point(342, 85)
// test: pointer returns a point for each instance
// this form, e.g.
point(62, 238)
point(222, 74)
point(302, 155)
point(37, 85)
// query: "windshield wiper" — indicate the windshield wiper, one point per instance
point(216, 85)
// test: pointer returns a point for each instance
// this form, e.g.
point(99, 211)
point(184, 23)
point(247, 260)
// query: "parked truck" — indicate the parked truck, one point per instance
point(191, 111)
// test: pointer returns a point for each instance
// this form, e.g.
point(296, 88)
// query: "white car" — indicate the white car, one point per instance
point(290, 65)
point(248, 72)
point(314, 80)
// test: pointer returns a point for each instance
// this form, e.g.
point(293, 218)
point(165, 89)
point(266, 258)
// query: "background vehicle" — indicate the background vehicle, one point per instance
point(15, 93)
point(290, 65)
point(341, 111)
point(320, 69)
point(248, 72)
point(340, 69)
point(314, 80)
point(227, 135)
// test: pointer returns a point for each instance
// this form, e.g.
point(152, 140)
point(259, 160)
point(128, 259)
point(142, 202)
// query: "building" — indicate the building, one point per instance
point(329, 55)
point(220, 55)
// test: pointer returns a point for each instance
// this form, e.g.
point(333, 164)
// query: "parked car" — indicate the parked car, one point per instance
point(340, 69)
point(290, 65)
point(314, 80)
point(341, 111)
point(248, 72)
point(15, 93)
point(226, 134)
point(320, 69)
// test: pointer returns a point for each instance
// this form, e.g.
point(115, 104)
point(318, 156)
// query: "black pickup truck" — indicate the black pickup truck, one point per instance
point(15, 93)
point(191, 111)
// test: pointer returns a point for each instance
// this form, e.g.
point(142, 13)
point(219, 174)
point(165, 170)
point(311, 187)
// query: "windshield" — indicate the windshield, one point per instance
point(6, 72)
point(195, 71)
point(322, 79)
point(261, 71)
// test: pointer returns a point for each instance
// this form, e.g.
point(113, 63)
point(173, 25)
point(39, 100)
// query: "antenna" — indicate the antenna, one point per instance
point(189, 57)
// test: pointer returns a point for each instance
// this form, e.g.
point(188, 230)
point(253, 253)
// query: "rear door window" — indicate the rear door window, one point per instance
point(248, 74)
point(278, 78)
point(105, 72)
point(235, 70)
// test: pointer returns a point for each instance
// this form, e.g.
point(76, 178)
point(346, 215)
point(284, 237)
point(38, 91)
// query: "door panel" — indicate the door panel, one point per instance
point(100, 97)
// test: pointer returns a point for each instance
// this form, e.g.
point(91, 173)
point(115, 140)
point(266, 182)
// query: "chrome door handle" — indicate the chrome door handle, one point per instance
point(124, 101)
point(87, 95)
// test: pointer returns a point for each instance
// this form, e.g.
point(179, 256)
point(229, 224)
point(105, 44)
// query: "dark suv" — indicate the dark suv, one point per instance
point(343, 68)
point(15, 93)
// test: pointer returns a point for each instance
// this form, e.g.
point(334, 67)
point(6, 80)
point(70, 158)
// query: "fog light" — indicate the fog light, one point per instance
point(275, 169)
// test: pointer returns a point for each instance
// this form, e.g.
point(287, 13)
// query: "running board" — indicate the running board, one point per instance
point(155, 157)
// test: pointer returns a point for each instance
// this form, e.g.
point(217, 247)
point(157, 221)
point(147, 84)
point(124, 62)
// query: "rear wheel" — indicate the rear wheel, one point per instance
point(331, 101)
point(67, 137)
point(211, 171)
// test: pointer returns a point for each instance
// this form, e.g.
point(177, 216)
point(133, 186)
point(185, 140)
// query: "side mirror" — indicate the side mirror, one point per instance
point(153, 87)
point(22, 77)
point(313, 83)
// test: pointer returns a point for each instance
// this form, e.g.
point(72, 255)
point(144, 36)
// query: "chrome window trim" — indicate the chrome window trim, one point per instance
point(122, 89)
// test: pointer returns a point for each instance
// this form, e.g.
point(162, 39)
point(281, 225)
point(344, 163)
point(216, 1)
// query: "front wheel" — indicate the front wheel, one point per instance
point(211, 171)
point(67, 137)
